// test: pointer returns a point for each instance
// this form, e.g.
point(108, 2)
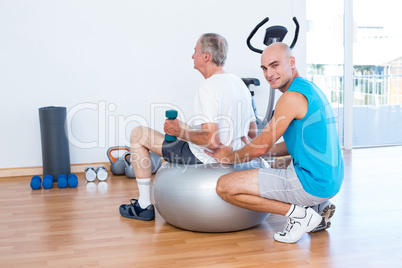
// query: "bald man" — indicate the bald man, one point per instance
point(298, 186)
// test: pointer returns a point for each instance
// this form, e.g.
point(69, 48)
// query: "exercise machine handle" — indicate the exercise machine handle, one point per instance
point(296, 33)
point(258, 26)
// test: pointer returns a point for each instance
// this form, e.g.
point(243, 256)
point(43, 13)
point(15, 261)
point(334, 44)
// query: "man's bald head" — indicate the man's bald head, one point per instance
point(280, 48)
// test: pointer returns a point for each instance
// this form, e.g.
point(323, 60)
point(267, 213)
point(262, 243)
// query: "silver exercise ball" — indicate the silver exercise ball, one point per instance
point(185, 197)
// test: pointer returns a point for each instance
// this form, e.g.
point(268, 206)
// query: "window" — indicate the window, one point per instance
point(377, 66)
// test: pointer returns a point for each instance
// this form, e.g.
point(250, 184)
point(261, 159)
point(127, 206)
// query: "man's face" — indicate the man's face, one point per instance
point(198, 56)
point(277, 68)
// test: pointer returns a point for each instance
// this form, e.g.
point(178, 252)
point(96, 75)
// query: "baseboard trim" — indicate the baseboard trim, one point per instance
point(31, 171)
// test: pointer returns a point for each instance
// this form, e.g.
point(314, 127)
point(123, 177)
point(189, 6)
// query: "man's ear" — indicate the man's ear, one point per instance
point(292, 62)
point(207, 56)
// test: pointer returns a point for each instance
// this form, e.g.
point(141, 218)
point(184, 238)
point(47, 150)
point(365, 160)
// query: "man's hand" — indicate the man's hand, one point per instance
point(221, 153)
point(172, 127)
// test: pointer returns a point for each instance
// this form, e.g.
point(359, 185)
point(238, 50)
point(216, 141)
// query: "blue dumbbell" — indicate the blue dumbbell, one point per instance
point(47, 181)
point(62, 181)
point(171, 115)
point(72, 180)
point(36, 182)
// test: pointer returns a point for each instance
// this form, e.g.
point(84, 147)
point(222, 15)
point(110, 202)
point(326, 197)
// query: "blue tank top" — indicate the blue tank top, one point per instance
point(313, 143)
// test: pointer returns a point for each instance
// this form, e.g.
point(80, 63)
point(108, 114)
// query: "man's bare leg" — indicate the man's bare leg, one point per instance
point(142, 140)
point(241, 188)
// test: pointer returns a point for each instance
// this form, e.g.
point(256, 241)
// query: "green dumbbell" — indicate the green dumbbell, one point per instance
point(171, 115)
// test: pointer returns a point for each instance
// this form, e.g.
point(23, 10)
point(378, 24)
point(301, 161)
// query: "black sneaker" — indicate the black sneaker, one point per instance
point(134, 211)
point(326, 210)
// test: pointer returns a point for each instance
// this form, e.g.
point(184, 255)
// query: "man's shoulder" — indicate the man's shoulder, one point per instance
point(300, 82)
point(292, 96)
point(223, 77)
point(303, 86)
point(222, 80)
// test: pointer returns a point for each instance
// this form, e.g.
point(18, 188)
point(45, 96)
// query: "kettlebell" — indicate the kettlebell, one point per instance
point(129, 170)
point(156, 163)
point(117, 165)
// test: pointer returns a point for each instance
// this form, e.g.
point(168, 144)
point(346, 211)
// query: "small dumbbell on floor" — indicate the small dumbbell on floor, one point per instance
point(62, 181)
point(36, 182)
point(47, 183)
point(70, 180)
point(91, 174)
point(101, 173)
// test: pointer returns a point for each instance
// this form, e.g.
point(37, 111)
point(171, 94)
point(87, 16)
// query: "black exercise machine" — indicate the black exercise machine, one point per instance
point(272, 34)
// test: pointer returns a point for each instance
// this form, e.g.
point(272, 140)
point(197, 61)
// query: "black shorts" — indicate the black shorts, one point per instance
point(178, 151)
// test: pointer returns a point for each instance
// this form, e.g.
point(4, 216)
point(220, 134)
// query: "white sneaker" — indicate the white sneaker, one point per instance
point(297, 227)
point(326, 210)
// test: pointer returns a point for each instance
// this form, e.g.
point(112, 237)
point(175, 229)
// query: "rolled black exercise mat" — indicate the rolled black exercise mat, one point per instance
point(55, 145)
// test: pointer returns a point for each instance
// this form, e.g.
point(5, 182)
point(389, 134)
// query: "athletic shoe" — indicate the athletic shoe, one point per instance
point(134, 211)
point(326, 210)
point(295, 228)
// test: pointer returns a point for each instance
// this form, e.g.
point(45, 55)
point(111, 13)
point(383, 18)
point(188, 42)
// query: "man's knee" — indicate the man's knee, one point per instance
point(135, 133)
point(222, 188)
point(239, 182)
point(139, 134)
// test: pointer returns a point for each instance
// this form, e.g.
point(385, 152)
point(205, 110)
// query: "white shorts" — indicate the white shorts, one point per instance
point(284, 185)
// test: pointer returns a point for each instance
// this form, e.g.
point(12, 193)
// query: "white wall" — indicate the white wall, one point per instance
point(117, 64)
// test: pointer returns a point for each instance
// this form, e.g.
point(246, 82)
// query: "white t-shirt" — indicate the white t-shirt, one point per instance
point(226, 100)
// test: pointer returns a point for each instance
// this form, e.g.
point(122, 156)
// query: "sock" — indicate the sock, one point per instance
point(296, 211)
point(144, 187)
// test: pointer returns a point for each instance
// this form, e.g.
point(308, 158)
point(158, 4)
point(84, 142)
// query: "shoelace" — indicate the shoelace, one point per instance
point(288, 226)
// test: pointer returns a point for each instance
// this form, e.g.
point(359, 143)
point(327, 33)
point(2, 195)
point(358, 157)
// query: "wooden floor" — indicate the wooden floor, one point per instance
point(82, 227)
